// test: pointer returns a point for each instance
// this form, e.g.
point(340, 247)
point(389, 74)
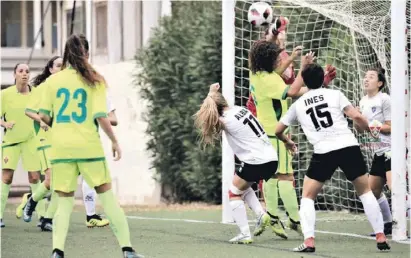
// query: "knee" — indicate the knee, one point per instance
point(34, 177)
point(47, 182)
point(7, 176)
point(103, 188)
point(234, 193)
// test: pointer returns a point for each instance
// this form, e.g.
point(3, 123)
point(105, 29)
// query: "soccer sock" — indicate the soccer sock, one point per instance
point(240, 216)
point(307, 215)
point(34, 187)
point(51, 210)
point(5, 189)
point(40, 192)
point(372, 210)
point(271, 196)
point(89, 198)
point(115, 215)
point(385, 209)
point(289, 197)
point(61, 221)
point(251, 199)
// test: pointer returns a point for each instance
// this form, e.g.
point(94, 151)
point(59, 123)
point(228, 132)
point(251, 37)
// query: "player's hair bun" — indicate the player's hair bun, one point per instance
point(382, 70)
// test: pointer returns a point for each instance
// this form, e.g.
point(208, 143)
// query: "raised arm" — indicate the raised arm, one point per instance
point(296, 89)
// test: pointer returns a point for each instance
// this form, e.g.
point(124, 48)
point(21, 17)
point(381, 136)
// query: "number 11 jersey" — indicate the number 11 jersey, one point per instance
point(321, 115)
point(246, 137)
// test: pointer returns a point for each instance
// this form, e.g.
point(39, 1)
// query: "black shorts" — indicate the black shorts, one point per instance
point(255, 173)
point(349, 159)
point(380, 165)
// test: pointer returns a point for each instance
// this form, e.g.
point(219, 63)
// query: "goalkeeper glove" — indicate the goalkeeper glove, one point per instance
point(330, 74)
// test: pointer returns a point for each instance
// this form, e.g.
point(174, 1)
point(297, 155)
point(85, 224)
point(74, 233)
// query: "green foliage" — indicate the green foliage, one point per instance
point(181, 59)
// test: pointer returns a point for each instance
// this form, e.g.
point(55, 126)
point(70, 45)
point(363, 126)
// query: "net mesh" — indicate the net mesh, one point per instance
point(353, 36)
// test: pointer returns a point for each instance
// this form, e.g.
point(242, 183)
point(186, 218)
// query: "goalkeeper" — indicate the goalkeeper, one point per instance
point(273, 106)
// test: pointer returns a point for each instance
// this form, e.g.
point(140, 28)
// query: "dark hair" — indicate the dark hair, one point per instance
point(263, 56)
point(39, 79)
point(15, 69)
point(381, 76)
point(313, 76)
point(75, 54)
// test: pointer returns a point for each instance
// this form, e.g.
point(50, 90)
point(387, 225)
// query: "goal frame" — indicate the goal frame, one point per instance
point(398, 78)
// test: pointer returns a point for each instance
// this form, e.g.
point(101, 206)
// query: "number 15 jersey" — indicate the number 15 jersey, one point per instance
point(321, 115)
point(75, 107)
point(246, 137)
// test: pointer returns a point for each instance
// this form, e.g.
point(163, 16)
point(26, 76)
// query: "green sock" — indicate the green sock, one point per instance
point(271, 196)
point(115, 215)
point(40, 192)
point(289, 197)
point(61, 221)
point(51, 210)
point(34, 187)
point(5, 189)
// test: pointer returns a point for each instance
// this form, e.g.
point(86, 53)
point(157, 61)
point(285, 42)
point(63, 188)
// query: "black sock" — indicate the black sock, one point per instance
point(127, 249)
point(59, 252)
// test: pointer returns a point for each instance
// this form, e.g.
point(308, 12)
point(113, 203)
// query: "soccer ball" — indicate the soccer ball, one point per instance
point(260, 13)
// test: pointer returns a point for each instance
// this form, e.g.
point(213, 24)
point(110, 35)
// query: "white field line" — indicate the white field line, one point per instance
point(406, 242)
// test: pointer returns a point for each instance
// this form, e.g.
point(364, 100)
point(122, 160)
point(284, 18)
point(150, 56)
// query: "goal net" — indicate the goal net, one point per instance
point(353, 36)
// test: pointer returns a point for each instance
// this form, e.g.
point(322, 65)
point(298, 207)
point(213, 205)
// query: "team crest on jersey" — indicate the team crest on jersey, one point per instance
point(6, 159)
point(373, 109)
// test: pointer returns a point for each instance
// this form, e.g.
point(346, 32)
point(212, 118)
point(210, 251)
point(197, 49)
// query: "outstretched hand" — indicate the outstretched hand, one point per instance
point(214, 87)
point(330, 74)
point(307, 59)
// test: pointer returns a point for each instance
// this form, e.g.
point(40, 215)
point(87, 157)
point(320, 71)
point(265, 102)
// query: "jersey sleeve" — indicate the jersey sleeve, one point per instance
point(3, 102)
point(99, 102)
point(386, 107)
point(276, 89)
point(344, 102)
point(46, 99)
point(34, 101)
point(290, 117)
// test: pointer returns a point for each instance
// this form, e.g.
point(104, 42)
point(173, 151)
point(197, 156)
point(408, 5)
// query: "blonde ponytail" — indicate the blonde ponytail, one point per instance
point(207, 119)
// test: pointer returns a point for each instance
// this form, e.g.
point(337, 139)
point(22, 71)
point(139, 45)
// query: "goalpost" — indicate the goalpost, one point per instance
point(354, 36)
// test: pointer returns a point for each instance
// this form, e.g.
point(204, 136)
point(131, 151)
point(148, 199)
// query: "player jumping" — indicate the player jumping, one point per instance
point(251, 145)
point(321, 114)
point(282, 183)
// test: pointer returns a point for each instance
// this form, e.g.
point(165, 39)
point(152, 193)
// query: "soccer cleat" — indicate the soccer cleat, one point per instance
point(2, 223)
point(19, 209)
point(262, 223)
point(128, 254)
point(241, 239)
point(96, 221)
point(57, 254)
point(47, 225)
point(296, 226)
point(382, 243)
point(387, 229)
point(40, 221)
point(303, 248)
point(29, 209)
point(278, 227)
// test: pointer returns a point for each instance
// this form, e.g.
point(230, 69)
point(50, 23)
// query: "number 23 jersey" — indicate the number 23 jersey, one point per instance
point(246, 137)
point(321, 115)
point(75, 106)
